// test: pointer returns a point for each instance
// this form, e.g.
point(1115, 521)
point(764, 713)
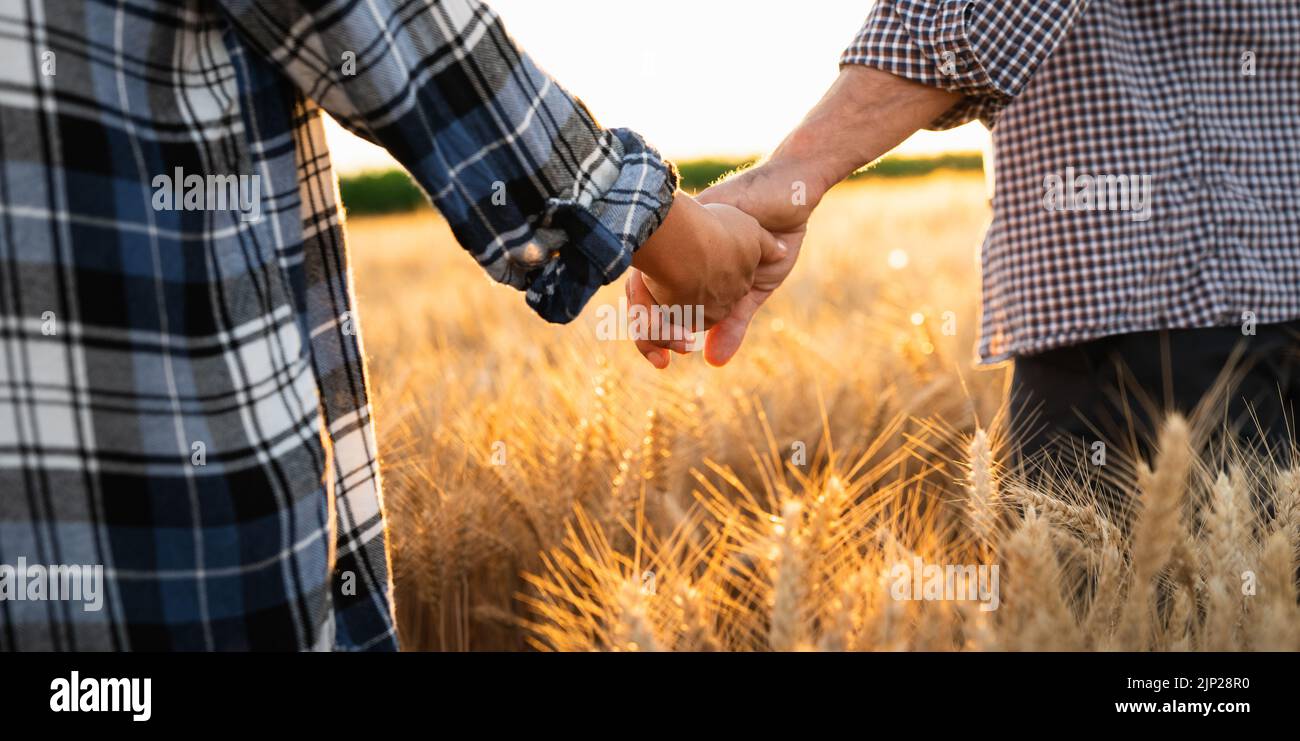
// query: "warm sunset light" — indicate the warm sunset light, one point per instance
point(659, 326)
point(697, 78)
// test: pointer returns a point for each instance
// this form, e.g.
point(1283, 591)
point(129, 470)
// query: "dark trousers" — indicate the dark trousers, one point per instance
point(1117, 390)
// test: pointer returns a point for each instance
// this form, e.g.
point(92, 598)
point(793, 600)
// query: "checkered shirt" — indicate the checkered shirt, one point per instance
point(1199, 100)
point(183, 399)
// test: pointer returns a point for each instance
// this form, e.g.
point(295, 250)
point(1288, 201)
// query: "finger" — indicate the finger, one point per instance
point(634, 287)
point(774, 250)
point(657, 356)
point(725, 339)
point(670, 336)
point(658, 330)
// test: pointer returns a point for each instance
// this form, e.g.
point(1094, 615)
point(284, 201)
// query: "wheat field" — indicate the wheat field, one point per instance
point(548, 490)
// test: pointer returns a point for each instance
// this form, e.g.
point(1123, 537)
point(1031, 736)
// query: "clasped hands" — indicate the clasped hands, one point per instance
point(726, 251)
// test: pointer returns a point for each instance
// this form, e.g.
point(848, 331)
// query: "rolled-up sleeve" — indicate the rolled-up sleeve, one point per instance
point(543, 197)
point(985, 50)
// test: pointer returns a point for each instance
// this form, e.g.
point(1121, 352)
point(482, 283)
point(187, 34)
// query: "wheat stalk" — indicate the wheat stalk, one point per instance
point(790, 591)
point(1157, 529)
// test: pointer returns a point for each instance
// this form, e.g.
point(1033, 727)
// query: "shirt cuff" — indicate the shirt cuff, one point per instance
point(586, 240)
point(932, 43)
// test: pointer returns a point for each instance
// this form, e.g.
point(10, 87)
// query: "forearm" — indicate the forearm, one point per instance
point(865, 114)
point(543, 197)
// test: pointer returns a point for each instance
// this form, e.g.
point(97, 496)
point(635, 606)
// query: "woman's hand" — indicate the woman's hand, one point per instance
point(702, 256)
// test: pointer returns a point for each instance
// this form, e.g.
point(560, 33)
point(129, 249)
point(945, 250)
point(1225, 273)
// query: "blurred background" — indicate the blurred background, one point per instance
point(701, 79)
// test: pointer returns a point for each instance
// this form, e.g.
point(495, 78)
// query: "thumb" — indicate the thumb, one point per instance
point(726, 337)
point(773, 249)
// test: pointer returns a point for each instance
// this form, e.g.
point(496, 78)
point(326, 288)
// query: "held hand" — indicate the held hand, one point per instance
point(715, 269)
point(726, 338)
point(866, 113)
point(782, 204)
point(704, 256)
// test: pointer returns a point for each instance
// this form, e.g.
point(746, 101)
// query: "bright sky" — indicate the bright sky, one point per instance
point(695, 77)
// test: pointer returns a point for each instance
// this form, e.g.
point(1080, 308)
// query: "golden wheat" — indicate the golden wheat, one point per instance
point(549, 490)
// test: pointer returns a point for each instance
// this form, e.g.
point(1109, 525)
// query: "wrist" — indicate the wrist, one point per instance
point(809, 174)
point(661, 255)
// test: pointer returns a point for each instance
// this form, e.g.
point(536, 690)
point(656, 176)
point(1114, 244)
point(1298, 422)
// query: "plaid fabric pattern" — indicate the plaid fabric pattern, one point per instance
point(1199, 97)
point(183, 399)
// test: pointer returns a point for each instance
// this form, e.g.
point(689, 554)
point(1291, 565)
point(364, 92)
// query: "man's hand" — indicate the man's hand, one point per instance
point(866, 113)
point(704, 256)
point(782, 203)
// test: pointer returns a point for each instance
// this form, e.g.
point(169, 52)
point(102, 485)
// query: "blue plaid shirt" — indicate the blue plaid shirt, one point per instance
point(183, 400)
